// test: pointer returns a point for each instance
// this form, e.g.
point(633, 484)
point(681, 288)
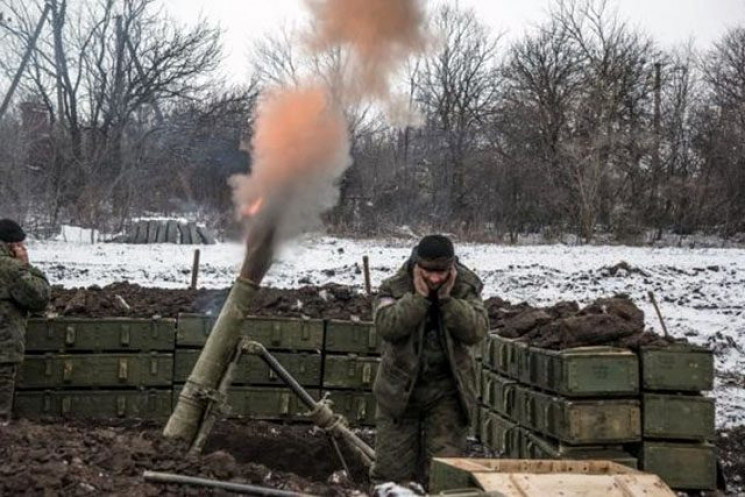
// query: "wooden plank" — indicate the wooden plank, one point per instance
point(573, 485)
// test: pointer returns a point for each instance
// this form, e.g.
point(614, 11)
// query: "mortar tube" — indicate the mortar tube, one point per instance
point(211, 365)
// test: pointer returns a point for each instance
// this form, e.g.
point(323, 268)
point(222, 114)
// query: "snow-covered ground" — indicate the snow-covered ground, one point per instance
point(701, 292)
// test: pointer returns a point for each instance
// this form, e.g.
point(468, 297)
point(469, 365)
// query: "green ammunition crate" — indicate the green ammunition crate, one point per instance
point(96, 370)
point(350, 371)
point(508, 355)
point(305, 367)
point(503, 436)
point(94, 404)
point(485, 386)
point(677, 368)
point(357, 407)
point(503, 396)
point(583, 372)
point(533, 446)
point(268, 403)
point(352, 337)
point(474, 429)
point(487, 356)
point(484, 427)
point(683, 417)
point(683, 466)
point(110, 334)
point(273, 333)
point(498, 353)
point(192, 329)
point(588, 422)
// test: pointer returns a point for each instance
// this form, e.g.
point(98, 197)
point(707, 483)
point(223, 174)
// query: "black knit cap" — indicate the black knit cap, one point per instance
point(11, 232)
point(434, 252)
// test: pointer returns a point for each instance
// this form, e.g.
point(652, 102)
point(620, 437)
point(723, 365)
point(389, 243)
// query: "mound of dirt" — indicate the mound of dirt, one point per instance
point(614, 321)
point(125, 299)
point(71, 459)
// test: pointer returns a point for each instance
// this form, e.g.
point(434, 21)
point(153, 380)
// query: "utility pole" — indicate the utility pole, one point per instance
point(24, 61)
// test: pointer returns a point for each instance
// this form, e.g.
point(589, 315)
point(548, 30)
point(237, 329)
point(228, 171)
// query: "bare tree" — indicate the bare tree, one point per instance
point(100, 64)
point(456, 88)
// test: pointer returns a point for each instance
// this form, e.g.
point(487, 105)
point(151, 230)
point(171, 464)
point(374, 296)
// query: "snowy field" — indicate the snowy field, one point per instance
point(701, 292)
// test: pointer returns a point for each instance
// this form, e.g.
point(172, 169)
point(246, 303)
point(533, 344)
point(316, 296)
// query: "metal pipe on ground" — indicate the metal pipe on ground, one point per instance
point(244, 488)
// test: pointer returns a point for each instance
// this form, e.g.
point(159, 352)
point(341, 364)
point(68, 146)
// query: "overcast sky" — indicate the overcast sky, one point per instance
point(669, 21)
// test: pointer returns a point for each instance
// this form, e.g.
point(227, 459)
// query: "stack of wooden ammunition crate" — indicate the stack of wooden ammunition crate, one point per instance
point(97, 368)
point(678, 422)
point(572, 404)
point(643, 410)
point(351, 360)
point(256, 391)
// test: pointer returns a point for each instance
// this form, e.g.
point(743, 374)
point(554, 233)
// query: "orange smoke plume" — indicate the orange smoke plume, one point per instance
point(380, 33)
point(300, 150)
point(301, 144)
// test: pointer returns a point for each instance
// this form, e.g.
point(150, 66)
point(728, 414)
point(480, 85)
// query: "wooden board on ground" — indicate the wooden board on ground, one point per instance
point(533, 478)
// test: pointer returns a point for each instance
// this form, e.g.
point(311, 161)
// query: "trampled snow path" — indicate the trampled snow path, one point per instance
point(701, 292)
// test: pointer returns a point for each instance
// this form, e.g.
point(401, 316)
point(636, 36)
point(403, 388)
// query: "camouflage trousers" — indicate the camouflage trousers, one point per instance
point(405, 446)
point(7, 387)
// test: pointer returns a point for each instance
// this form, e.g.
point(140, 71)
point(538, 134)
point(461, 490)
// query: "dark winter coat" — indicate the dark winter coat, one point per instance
point(23, 288)
point(400, 314)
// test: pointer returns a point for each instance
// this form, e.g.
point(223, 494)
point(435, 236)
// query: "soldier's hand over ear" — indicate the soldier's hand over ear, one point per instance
point(447, 286)
point(20, 252)
point(420, 284)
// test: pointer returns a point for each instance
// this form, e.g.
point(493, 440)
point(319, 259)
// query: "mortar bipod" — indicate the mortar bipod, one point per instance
point(319, 411)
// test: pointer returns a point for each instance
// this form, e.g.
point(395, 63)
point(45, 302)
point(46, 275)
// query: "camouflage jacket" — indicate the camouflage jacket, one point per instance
point(22, 289)
point(400, 314)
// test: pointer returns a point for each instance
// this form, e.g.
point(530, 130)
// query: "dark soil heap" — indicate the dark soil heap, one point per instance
point(84, 458)
point(330, 301)
point(615, 322)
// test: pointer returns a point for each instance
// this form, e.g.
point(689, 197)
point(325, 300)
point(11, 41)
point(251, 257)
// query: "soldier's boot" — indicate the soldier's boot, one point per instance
point(7, 388)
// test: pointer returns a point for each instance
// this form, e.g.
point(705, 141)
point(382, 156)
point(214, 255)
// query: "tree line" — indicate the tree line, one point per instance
point(583, 125)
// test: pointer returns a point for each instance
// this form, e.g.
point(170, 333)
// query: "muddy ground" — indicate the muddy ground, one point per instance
point(91, 459)
point(85, 458)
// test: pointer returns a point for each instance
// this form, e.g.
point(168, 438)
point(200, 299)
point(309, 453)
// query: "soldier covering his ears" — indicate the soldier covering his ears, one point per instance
point(430, 316)
point(23, 288)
